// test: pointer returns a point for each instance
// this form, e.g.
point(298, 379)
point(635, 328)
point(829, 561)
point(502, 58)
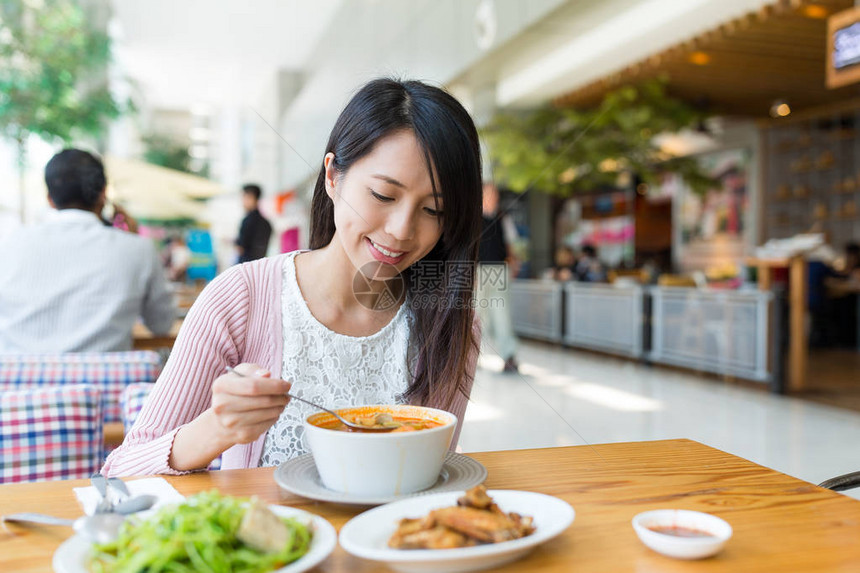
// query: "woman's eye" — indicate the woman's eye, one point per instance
point(432, 212)
point(382, 198)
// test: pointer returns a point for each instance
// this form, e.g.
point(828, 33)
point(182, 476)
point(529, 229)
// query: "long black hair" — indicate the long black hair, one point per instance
point(443, 309)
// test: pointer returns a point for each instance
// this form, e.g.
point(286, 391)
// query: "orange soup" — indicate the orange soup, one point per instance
point(376, 420)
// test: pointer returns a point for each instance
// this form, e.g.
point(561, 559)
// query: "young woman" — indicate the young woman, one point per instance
point(378, 311)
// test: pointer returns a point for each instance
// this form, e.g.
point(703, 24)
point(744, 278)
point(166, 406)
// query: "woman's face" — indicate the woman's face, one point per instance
point(385, 215)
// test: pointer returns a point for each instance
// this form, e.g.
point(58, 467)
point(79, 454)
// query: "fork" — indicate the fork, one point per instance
point(119, 485)
point(105, 505)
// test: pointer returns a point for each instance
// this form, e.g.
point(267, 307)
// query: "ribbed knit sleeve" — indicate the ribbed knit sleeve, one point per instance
point(211, 338)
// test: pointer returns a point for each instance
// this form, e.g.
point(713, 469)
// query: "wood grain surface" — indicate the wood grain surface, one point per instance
point(780, 523)
point(144, 339)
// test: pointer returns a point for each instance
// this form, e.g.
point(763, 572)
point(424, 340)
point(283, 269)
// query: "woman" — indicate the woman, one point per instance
point(375, 312)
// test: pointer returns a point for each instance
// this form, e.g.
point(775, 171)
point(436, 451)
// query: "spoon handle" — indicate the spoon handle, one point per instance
point(317, 406)
point(230, 369)
point(37, 518)
point(294, 397)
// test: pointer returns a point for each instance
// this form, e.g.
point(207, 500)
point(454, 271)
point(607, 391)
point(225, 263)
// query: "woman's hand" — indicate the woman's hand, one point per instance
point(246, 406)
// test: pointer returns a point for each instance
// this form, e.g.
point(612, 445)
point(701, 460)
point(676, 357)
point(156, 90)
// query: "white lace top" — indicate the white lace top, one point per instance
point(334, 370)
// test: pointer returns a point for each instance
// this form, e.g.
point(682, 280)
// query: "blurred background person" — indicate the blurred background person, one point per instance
point(564, 264)
point(255, 231)
point(496, 268)
point(73, 284)
point(178, 259)
point(832, 299)
point(851, 267)
point(588, 267)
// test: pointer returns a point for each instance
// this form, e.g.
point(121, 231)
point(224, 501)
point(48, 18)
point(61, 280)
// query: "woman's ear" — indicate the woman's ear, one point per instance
point(330, 174)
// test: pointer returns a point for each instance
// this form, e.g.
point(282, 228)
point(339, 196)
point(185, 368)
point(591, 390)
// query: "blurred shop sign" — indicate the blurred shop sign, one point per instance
point(843, 48)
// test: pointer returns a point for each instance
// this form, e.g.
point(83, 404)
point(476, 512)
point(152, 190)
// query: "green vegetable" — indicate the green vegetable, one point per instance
point(199, 535)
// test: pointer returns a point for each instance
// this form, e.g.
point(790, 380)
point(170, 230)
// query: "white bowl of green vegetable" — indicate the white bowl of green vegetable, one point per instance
point(208, 531)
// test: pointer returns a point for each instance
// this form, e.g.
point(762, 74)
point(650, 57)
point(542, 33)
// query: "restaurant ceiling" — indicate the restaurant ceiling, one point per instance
point(214, 52)
point(743, 66)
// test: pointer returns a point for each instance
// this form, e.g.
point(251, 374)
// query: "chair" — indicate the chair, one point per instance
point(843, 482)
point(50, 433)
point(132, 401)
point(109, 371)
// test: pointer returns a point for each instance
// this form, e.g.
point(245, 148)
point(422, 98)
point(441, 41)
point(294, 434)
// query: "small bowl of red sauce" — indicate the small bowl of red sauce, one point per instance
point(681, 533)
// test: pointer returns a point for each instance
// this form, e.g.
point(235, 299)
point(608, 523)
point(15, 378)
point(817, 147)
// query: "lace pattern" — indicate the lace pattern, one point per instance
point(333, 369)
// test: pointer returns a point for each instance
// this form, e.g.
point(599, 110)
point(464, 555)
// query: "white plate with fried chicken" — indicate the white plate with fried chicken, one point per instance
point(456, 531)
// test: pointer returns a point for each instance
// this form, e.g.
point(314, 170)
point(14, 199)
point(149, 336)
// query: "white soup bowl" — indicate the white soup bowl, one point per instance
point(380, 463)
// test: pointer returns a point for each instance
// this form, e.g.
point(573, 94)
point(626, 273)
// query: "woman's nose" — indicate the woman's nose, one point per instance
point(400, 224)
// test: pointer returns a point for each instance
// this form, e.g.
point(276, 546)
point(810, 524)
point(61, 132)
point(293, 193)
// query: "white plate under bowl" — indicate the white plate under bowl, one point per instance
point(71, 556)
point(367, 535)
point(300, 476)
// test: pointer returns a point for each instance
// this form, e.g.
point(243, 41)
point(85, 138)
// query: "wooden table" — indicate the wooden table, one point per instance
point(143, 339)
point(780, 523)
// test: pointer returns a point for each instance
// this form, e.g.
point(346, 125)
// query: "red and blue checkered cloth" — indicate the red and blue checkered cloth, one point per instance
point(131, 402)
point(109, 371)
point(50, 433)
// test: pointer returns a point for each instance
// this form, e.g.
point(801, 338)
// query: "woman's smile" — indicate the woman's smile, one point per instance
point(384, 254)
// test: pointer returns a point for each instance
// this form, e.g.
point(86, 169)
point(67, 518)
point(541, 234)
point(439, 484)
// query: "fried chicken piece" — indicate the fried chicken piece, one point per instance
point(408, 526)
point(437, 537)
point(476, 497)
point(525, 525)
point(475, 519)
point(480, 524)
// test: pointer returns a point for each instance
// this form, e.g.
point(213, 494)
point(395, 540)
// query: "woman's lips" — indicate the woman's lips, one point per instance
point(382, 257)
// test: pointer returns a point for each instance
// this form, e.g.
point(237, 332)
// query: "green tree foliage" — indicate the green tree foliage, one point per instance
point(564, 150)
point(53, 74)
point(53, 80)
point(166, 152)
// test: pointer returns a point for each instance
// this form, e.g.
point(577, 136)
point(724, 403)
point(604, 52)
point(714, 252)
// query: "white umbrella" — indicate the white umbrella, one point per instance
point(153, 192)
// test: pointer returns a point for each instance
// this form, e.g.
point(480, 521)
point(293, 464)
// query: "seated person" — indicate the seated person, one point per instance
point(72, 283)
point(851, 268)
point(837, 315)
point(563, 270)
point(589, 268)
point(179, 256)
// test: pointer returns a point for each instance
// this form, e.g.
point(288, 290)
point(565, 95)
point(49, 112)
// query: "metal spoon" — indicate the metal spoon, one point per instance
point(345, 422)
point(135, 504)
point(99, 527)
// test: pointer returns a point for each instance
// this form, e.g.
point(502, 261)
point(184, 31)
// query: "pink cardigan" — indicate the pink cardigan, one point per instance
point(237, 318)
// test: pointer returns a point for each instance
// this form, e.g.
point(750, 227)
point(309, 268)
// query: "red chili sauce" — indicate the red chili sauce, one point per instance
point(679, 531)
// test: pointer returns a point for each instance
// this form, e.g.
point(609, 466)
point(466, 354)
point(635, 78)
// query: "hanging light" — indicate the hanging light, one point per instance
point(779, 108)
point(815, 11)
point(699, 58)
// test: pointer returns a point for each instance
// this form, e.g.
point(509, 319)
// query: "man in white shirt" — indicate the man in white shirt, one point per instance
point(73, 284)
